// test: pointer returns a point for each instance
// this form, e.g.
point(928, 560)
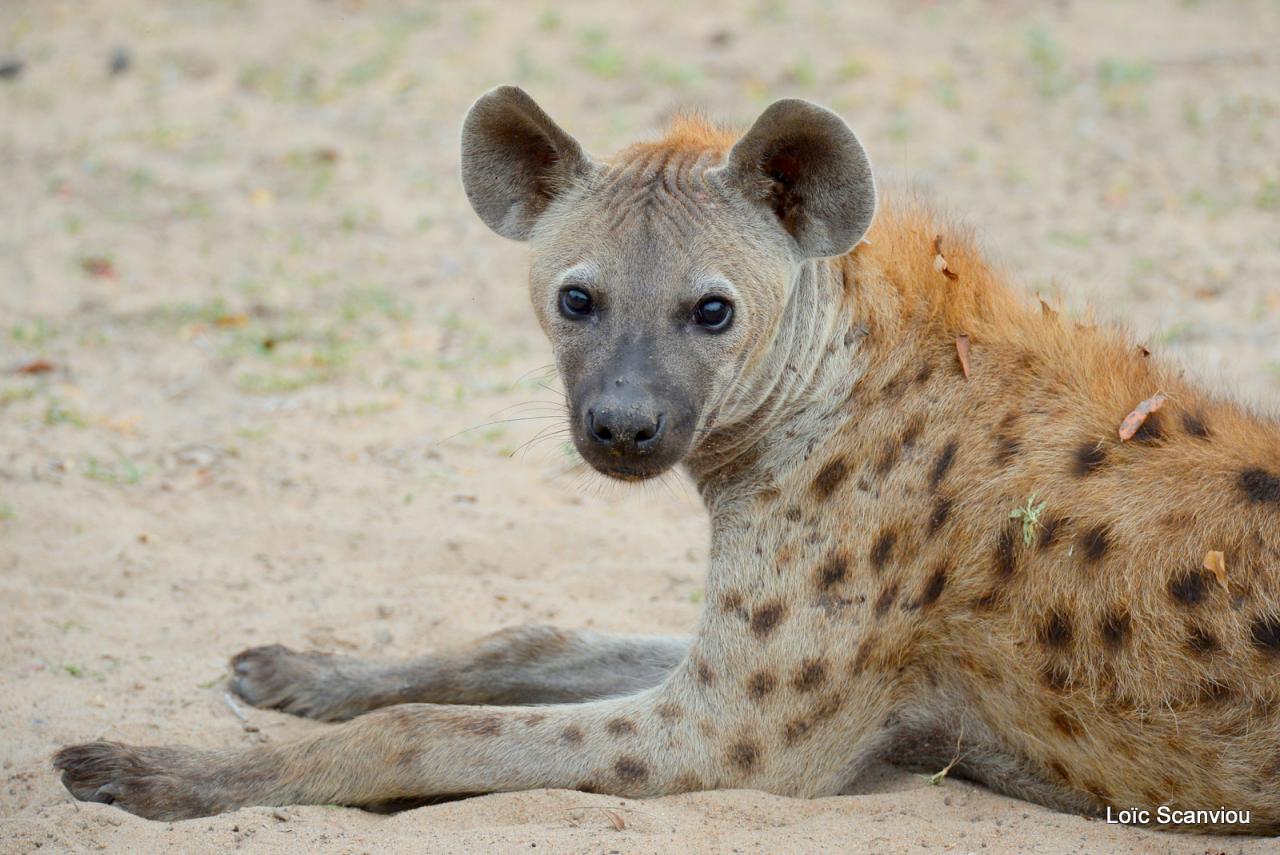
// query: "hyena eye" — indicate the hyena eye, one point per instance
point(714, 314)
point(575, 303)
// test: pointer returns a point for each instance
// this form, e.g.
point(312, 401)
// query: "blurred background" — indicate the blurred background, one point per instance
point(264, 376)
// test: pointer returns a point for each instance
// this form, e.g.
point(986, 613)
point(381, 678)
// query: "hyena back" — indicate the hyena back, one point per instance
point(864, 407)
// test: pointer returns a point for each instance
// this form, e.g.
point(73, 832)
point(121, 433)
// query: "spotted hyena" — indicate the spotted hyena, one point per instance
point(864, 406)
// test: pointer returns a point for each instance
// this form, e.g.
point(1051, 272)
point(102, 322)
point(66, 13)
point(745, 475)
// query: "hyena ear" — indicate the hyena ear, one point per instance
point(516, 161)
point(806, 165)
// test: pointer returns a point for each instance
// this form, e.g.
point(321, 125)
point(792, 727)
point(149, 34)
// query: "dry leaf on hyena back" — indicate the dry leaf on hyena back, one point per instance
point(940, 261)
point(1216, 563)
point(962, 351)
point(1138, 417)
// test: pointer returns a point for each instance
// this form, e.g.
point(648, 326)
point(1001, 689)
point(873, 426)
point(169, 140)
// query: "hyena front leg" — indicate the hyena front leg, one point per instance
point(519, 665)
point(642, 745)
point(712, 724)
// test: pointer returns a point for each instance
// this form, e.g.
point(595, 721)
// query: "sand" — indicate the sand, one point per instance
point(278, 341)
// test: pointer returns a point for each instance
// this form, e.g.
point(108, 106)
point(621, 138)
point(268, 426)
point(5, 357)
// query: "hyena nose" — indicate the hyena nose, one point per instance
point(625, 427)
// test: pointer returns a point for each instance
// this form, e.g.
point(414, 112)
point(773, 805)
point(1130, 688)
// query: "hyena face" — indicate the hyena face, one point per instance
point(662, 276)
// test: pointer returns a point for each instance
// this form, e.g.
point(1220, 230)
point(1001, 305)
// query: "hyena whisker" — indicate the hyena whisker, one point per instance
point(496, 422)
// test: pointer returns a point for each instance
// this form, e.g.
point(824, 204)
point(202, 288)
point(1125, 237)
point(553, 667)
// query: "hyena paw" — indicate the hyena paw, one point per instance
point(304, 684)
point(152, 782)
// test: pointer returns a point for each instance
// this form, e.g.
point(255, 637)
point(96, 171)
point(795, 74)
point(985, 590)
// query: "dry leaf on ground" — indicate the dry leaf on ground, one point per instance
point(36, 366)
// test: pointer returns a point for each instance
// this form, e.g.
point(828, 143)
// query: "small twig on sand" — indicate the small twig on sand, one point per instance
point(238, 713)
point(234, 707)
point(936, 778)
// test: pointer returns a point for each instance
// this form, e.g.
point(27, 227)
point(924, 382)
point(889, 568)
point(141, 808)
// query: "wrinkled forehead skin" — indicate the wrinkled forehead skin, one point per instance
point(652, 232)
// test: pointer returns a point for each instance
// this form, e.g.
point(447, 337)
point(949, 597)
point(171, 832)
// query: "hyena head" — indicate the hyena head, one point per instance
point(662, 275)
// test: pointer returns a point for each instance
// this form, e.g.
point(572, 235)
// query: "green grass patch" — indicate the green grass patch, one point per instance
point(59, 412)
point(34, 333)
point(122, 472)
point(1048, 63)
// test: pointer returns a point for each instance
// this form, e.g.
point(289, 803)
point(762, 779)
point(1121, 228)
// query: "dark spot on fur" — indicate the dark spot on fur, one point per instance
point(1056, 630)
point(706, 676)
point(1007, 448)
point(765, 619)
point(1087, 458)
point(1189, 588)
point(620, 727)
point(943, 464)
point(1214, 692)
point(1177, 521)
point(829, 478)
point(1007, 444)
point(866, 649)
point(670, 712)
point(1151, 430)
point(731, 601)
point(572, 734)
point(1006, 555)
point(925, 372)
point(832, 572)
point(885, 602)
point(812, 674)
point(1194, 425)
point(483, 725)
point(888, 458)
point(1095, 542)
point(934, 587)
point(631, 770)
point(768, 495)
point(1114, 629)
point(760, 684)
point(1049, 530)
point(882, 548)
point(795, 730)
point(1201, 641)
point(1260, 486)
point(1065, 724)
point(1059, 770)
point(941, 510)
point(827, 707)
point(745, 755)
point(794, 514)
point(535, 719)
point(1266, 634)
point(892, 390)
point(912, 433)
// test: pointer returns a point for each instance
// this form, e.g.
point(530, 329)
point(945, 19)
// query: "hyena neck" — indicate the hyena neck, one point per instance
point(795, 397)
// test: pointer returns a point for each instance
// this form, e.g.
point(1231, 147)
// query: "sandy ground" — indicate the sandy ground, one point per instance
point(270, 316)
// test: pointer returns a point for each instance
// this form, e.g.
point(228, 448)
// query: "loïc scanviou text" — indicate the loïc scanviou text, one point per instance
point(1165, 815)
